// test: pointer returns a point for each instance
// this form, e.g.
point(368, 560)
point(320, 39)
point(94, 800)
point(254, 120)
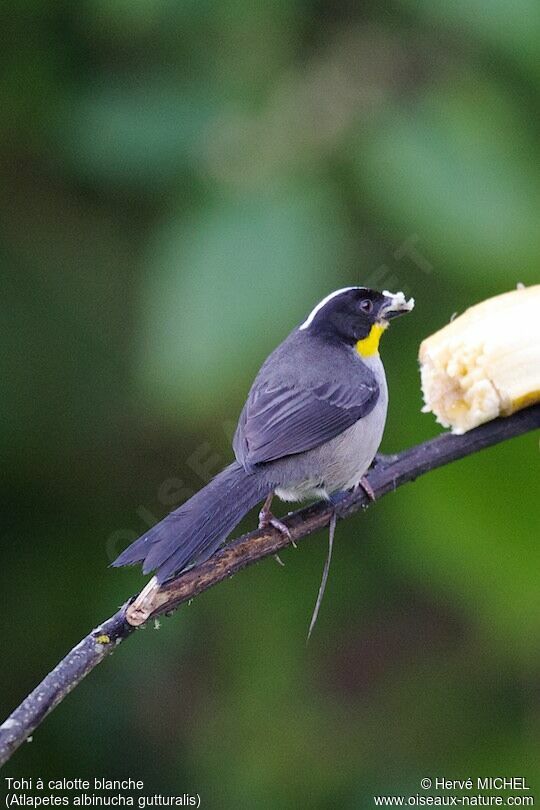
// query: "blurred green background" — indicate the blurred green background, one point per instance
point(180, 183)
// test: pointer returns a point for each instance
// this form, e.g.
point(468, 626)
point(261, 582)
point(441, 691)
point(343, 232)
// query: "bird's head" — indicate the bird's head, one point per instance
point(356, 316)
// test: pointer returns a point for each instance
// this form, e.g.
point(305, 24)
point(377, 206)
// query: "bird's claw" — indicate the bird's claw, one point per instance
point(368, 489)
point(267, 519)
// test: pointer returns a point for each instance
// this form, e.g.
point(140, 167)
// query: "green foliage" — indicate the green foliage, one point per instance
point(224, 260)
point(459, 162)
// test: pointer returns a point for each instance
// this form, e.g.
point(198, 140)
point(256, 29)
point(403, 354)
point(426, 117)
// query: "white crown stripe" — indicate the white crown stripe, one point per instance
point(310, 318)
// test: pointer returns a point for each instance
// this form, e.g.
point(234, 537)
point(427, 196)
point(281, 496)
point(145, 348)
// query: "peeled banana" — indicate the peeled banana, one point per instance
point(484, 363)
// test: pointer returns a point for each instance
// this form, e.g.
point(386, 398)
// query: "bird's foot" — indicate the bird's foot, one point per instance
point(266, 519)
point(368, 489)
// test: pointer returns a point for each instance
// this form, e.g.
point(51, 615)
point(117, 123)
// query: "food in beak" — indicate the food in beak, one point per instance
point(397, 304)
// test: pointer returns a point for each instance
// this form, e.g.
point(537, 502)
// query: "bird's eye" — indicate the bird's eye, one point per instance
point(366, 305)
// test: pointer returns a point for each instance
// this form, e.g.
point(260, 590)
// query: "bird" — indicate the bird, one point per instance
point(310, 428)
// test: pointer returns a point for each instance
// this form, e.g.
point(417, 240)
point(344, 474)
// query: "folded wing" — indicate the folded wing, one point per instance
point(280, 420)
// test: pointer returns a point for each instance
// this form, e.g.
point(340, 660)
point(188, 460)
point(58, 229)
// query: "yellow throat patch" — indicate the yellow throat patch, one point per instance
point(369, 345)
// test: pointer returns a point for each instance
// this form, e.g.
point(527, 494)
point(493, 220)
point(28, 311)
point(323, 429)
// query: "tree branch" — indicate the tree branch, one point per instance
point(390, 473)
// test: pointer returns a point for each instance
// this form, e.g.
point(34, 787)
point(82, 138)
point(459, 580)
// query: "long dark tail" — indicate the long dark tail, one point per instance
point(193, 532)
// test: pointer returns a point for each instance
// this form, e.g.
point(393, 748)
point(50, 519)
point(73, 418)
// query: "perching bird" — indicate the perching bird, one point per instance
point(311, 426)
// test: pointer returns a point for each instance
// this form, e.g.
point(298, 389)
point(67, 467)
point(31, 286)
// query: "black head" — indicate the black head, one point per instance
point(349, 315)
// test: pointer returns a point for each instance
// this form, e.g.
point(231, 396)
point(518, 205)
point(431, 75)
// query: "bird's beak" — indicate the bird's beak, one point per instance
point(395, 304)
